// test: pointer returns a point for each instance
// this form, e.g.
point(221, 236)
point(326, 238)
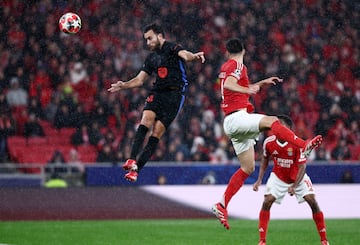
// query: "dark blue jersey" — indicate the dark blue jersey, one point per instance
point(168, 66)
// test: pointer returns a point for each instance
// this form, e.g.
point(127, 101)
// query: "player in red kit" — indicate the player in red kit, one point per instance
point(243, 126)
point(288, 176)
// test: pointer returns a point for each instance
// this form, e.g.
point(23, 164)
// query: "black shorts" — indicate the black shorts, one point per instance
point(166, 105)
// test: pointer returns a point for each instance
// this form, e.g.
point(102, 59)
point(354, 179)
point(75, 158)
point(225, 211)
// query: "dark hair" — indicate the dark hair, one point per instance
point(286, 120)
point(234, 46)
point(157, 29)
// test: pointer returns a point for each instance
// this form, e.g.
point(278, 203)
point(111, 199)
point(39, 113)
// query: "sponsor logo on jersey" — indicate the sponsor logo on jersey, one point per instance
point(162, 72)
point(290, 151)
point(285, 163)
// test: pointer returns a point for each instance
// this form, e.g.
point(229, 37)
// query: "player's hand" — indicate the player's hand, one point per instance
point(274, 80)
point(271, 80)
point(116, 86)
point(256, 185)
point(200, 56)
point(253, 89)
point(291, 190)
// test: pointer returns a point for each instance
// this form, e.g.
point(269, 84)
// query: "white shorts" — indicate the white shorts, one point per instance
point(279, 188)
point(243, 129)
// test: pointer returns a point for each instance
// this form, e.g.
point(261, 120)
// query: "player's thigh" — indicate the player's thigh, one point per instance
point(241, 146)
point(242, 125)
point(276, 188)
point(166, 106)
point(266, 122)
point(242, 128)
point(304, 188)
point(148, 118)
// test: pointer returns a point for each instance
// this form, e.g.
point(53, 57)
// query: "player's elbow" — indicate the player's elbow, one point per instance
point(140, 83)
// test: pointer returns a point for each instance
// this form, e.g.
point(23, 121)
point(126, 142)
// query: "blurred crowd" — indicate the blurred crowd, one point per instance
point(63, 79)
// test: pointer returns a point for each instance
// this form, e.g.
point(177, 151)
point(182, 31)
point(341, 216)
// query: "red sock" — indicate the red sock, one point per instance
point(235, 183)
point(286, 134)
point(264, 218)
point(320, 224)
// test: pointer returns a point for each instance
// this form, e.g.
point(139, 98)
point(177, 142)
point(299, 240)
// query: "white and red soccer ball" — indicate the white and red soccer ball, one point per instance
point(70, 23)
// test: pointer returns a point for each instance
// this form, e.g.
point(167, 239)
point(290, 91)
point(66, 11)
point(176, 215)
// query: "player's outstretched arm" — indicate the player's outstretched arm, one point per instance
point(231, 84)
point(270, 80)
point(189, 56)
point(135, 82)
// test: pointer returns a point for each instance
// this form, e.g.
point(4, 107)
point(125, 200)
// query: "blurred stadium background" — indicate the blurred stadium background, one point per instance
point(53, 89)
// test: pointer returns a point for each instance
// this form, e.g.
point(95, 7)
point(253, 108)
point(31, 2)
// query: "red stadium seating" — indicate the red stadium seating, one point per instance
point(87, 153)
point(36, 141)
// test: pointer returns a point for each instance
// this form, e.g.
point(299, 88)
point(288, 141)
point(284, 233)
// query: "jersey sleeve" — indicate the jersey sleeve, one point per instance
point(265, 153)
point(234, 69)
point(300, 157)
point(266, 145)
point(176, 48)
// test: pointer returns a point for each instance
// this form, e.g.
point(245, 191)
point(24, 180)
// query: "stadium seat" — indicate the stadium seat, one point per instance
point(58, 140)
point(16, 140)
point(355, 152)
point(47, 127)
point(36, 141)
point(67, 132)
point(87, 153)
point(15, 145)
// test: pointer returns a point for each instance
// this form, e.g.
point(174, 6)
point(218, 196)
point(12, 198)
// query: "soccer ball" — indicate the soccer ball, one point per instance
point(70, 23)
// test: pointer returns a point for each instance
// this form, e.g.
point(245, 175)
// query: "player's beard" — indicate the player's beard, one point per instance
point(156, 45)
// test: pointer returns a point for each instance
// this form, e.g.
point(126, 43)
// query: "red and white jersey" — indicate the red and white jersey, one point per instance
point(286, 157)
point(234, 101)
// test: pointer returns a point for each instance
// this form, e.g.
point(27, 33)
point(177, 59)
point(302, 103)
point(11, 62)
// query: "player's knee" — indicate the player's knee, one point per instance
point(158, 130)
point(268, 201)
point(272, 119)
point(157, 134)
point(252, 169)
point(146, 122)
point(310, 199)
point(248, 169)
point(267, 121)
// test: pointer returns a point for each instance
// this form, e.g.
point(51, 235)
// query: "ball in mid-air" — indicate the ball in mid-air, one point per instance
point(70, 23)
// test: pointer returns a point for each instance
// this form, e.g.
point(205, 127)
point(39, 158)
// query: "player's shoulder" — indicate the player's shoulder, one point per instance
point(228, 66)
point(232, 64)
point(270, 139)
point(173, 46)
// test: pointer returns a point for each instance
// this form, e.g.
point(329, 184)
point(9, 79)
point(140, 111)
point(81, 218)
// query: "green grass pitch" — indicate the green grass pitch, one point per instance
point(174, 232)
